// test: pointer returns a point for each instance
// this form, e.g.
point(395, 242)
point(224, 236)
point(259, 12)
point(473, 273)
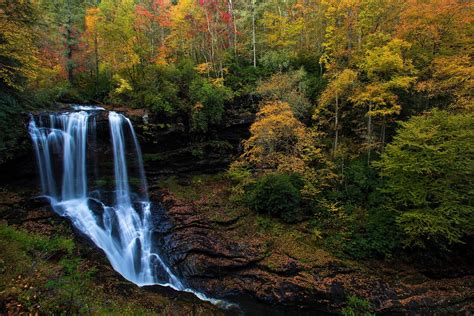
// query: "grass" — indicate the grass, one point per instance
point(40, 274)
point(189, 188)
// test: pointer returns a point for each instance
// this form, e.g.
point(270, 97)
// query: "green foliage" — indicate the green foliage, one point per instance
point(10, 115)
point(208, 99)
point(372, 235)
point(356, 306)
point(242, 77)
point(35, 243)
point(428, 172)
point(276, 60)
point(359, 184)
point(363, 227)
point(276, 194)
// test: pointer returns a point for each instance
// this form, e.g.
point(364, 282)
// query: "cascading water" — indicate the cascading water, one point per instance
point(121, 226)
point(122, 229)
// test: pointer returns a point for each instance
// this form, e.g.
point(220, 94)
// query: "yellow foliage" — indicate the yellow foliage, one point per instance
point(341, 85)
point(203, 68)
point(122, 85)
point(276, 140)
point(17, 44)
point(279, 142)
point(380, 101)
point(91, 18)
point(282, 31)
point(198, 106)
point(218, 82)
point(452, 76)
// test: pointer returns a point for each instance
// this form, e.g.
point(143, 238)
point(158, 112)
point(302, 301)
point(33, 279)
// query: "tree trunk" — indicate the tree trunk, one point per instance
point(234, 25)
point(369, 133)
point(383, 132)
point(336, 125)
point(69, 47)
point(253, 36)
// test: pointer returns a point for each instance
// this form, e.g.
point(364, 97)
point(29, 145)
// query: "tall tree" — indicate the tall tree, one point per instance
point(18, 53)
point(66, 19)
point(387, 71)
point(336, 94)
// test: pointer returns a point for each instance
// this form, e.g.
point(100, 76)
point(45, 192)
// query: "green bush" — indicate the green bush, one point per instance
point(277, 195)
point(375, 235)
point(366, 228)
point(356, 306)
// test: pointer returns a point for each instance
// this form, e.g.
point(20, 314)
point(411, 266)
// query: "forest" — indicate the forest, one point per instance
point(353, 142)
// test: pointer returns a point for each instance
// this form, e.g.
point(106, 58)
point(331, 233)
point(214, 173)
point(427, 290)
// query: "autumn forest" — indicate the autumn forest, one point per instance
point(306, 155)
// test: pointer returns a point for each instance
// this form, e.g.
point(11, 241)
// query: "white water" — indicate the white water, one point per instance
point(87, 108)
point(122, 228)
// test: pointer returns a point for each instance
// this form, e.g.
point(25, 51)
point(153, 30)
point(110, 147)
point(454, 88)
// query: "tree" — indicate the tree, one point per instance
point(387, 71)
point(202, 30)
point(208, 97)
point(287, 87)
point(429, 171)
point(66, 19)
point(91, 34)
point(18, 52)
point(452, 80)
point(122, 45)
point(19, 63)
point(436, 28)
point(278, 140)
point(336, 94)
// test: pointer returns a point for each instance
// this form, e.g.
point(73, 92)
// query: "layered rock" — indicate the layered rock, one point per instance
point(197, 248)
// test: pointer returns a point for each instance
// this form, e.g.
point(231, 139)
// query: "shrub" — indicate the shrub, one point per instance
point(356, 306)
point(276, 194)
point(375, 235)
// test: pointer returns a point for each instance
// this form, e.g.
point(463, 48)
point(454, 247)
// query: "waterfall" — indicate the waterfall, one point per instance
point(122, 228)
point(65, 146)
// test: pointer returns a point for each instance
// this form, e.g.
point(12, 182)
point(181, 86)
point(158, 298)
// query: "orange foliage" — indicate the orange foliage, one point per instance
point(278, 140)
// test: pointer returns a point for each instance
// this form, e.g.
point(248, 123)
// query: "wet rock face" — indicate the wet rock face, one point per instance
point(170, 148)
point(197, 249)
